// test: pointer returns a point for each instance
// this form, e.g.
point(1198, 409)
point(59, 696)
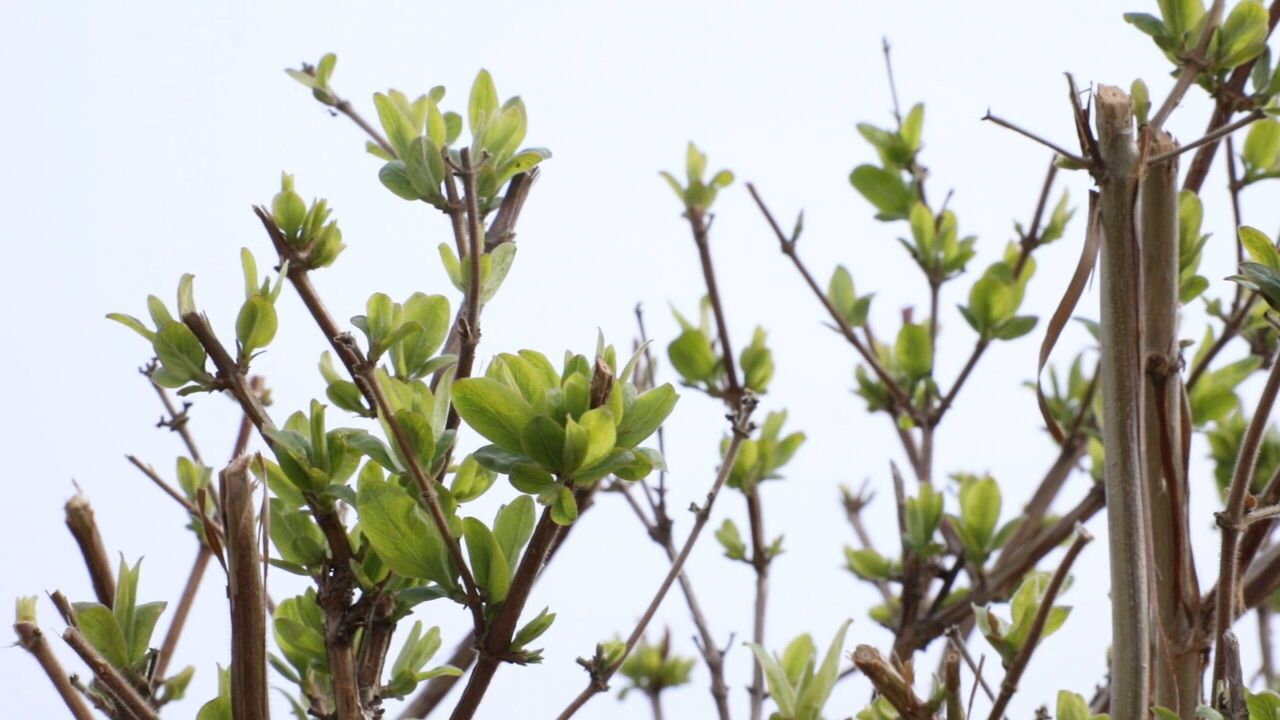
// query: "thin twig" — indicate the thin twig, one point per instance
point(1047, 143)
point(600, 676)
point(185, 601)
point(111, 678)
point(1190, 67)
point(957, 641)
point(1211, 137)
point(1010, 684)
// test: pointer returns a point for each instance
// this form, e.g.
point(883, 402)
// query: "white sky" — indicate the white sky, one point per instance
point(136, 137)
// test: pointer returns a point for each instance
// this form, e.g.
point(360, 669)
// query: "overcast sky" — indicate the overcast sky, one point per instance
point(137, 135)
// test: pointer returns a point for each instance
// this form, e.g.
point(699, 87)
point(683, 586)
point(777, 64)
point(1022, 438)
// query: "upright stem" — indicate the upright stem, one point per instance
point(246, 592)
point(1121, 375)
point(760, 561)
point(165, 656)
point(85, 530)
point(1175, 663)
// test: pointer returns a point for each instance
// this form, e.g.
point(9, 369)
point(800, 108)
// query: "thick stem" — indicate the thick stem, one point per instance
point(85, 530)
point(246, 593)
point(1121, 376)
point(32, 640)
point(1175, 664)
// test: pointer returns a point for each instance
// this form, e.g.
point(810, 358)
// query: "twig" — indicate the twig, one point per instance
point(1211, 137)
point(902, 404)
point(1232, 517)
point(760, 561)
point(32, 640)
point(85, 531)
point(699, 226)
point(109, 676)
point(188, 598)
point(957, 641)
point(600, 676)
point(1227, 99)
point(1047, 143)
point(1268, 670)
point(1190, 67)
point(951, 683)
point(177, 421)
point(711, 653)
point(1010, 684)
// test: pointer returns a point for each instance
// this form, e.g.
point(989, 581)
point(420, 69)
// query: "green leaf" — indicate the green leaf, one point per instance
point(1261, 146)
point(564, 510)
point(494, 410)
point(923, 230)
point(144, 623)
point(103, 632)
point(731, 540)
point(544, 440)
point(1015, 327)
point(867, 564)
point(814, 694)
point(134, 324)
point(692, 356)
point(514, 526)
point(1072, 706)
point(1243, 34)
point(483, 102)
point(913, 127)
point(395, 178)
point(885, 190)
point(980, 508)
point(1259, 247)
point(398, 127)
point(913, 351)
point(488, 564)
point(401, 533)
point(646, 415)
point(533, 629)
point(780, 687)
point(1261, 279)
point(599, 433)
point(180, 352)
point(256, 324)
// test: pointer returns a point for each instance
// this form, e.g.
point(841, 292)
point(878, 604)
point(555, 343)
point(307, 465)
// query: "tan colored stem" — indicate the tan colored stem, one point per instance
point(1121, 376)
point(85, 530)
point(110, 678)
point(32, 640)
point(246, 593)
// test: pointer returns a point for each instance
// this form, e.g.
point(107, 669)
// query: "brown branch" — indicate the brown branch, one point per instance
point(1078, 160)
point(344, 107)
point(889, 683)
point(903, 404)
point(32, 640)
point(660, 532)
point(699, 226)
point(1227, 102)
point(951, 684)
point(1190, 67)
point(110, 678)
point(246, 594)
point(189, 590)
point(957, 642)
point(177, 421)
point(1231, 519)
point(600, 676)
point(85, 531)
point(1010, 684)
point(1211, 137)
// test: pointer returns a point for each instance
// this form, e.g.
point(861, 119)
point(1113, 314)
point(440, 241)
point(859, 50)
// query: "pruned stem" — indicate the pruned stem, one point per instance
point(32, 640)
point(889, 683)
point(246, 593)
point(1121, 376)
point(85, 530)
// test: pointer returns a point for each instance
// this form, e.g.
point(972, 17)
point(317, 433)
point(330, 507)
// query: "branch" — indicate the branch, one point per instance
point(111, 678)
point(903, 404)
point(1213, 136)
point(1010, 684)
point(177, 421)
point(698, 224)
point(1076, 159)
point(247, 595)
point(1231, 519)
point(760, 561)
point(1227, 100)
point(1190, 67)
point(179, 621)
point(32, 640)
point(889, 683)
point(600, 676)
point(85, 530)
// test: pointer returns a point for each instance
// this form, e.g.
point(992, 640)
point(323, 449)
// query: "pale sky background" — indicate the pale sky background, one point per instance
point(137, 136)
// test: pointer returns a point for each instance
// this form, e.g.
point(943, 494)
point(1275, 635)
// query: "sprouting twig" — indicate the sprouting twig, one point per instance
point(1076, 159)
point(32, 640)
